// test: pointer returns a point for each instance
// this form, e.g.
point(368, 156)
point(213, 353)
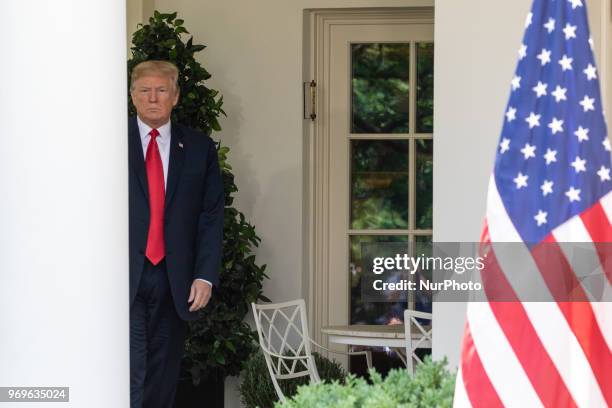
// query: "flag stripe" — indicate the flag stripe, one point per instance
point(566, 353)
point(583, 257)
point(461, 399)
point(525, 342)
point(603, 314)
point(606, 206)
point(557, 273)
point(583, 323)
point(551, 327)
point(598, 226)
point(475, 381)
point(578, 314)
point(498, 359)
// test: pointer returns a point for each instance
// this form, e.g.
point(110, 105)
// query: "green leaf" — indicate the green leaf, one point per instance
point(230, 346)
point(215, 124)
point(220, 359)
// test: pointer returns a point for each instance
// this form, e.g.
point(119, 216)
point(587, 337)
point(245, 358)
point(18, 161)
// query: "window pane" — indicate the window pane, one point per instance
point(425, 84)
point(380, 88)
point(379, 184)
point(363, 312)
point(424, 183)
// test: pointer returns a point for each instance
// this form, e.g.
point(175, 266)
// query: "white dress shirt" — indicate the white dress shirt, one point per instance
point(163, 143)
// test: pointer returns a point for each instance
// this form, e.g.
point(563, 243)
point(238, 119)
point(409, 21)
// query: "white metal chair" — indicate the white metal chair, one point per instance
point(285, 342)
point(410, 321)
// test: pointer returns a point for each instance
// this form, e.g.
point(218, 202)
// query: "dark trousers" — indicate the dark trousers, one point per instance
point(157, 340)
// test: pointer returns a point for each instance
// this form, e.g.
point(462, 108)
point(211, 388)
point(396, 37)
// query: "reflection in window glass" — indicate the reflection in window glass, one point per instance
point(380, 88)
point(363, 312)
point(379, 184)
point(424, 87)
point(424, 183)
point(423, 298)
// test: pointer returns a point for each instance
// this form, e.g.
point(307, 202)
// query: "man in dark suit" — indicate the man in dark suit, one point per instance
point(176, 232)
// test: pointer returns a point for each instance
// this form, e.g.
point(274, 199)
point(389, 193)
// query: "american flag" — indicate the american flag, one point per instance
point(551, 185)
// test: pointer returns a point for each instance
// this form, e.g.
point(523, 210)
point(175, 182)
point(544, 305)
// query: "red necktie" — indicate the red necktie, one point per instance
point(155, 178)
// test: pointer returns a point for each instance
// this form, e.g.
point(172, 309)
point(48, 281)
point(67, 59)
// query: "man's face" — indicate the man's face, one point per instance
point(154, 97)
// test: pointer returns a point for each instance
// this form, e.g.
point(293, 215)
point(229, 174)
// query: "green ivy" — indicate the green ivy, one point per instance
point(218, 341)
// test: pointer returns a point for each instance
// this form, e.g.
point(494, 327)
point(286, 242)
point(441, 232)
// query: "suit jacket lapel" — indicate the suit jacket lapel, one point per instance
point(175, 165)
point(136, 155)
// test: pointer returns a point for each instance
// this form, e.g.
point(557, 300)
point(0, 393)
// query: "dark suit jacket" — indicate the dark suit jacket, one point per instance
point(193, 212)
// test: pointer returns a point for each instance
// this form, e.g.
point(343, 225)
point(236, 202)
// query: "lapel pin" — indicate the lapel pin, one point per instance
point(181, 145)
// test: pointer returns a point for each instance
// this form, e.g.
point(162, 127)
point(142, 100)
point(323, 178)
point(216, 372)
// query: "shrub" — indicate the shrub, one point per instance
point(431, 386)
point(256, 389)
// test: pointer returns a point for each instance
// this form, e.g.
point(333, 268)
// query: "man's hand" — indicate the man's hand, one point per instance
point(199, 295)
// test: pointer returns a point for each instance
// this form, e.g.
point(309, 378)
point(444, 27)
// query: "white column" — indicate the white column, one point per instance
point(64, 309)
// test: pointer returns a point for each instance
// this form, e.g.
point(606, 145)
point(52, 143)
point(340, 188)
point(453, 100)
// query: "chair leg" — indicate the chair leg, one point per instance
point(401, 354)
point(368, 355)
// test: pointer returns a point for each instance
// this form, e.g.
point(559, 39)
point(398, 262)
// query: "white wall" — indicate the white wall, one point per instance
point(471, 90)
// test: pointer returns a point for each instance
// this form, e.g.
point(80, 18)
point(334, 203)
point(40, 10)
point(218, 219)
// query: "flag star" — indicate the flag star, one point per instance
point(528, 19)
point(591, 42)
point(556, 125)
point(533, 120)
point(604, 173)
point(590, 72)
point(569, 31)
point(566, 62)
point(606, 144)
point(540, 89)
point(578, 164)
point(540, 217)
point(582, 133)
point(559, 94)
point(521, 180)
point(587, 103)
point(550, 156)
point(522, 52)
point(544, 56)
point(546, 187)
point(575, 3)
point(516, 82)
point(528, 151)
point(511, 114)
point(550, 25)
point(573, 194)
point(504, 146)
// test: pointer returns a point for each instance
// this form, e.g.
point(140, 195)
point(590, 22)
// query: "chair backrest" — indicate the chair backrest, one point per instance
point(411, 320)
point(285, 342)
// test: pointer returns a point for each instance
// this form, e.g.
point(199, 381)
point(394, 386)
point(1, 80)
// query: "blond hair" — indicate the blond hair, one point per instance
point(155, 67)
